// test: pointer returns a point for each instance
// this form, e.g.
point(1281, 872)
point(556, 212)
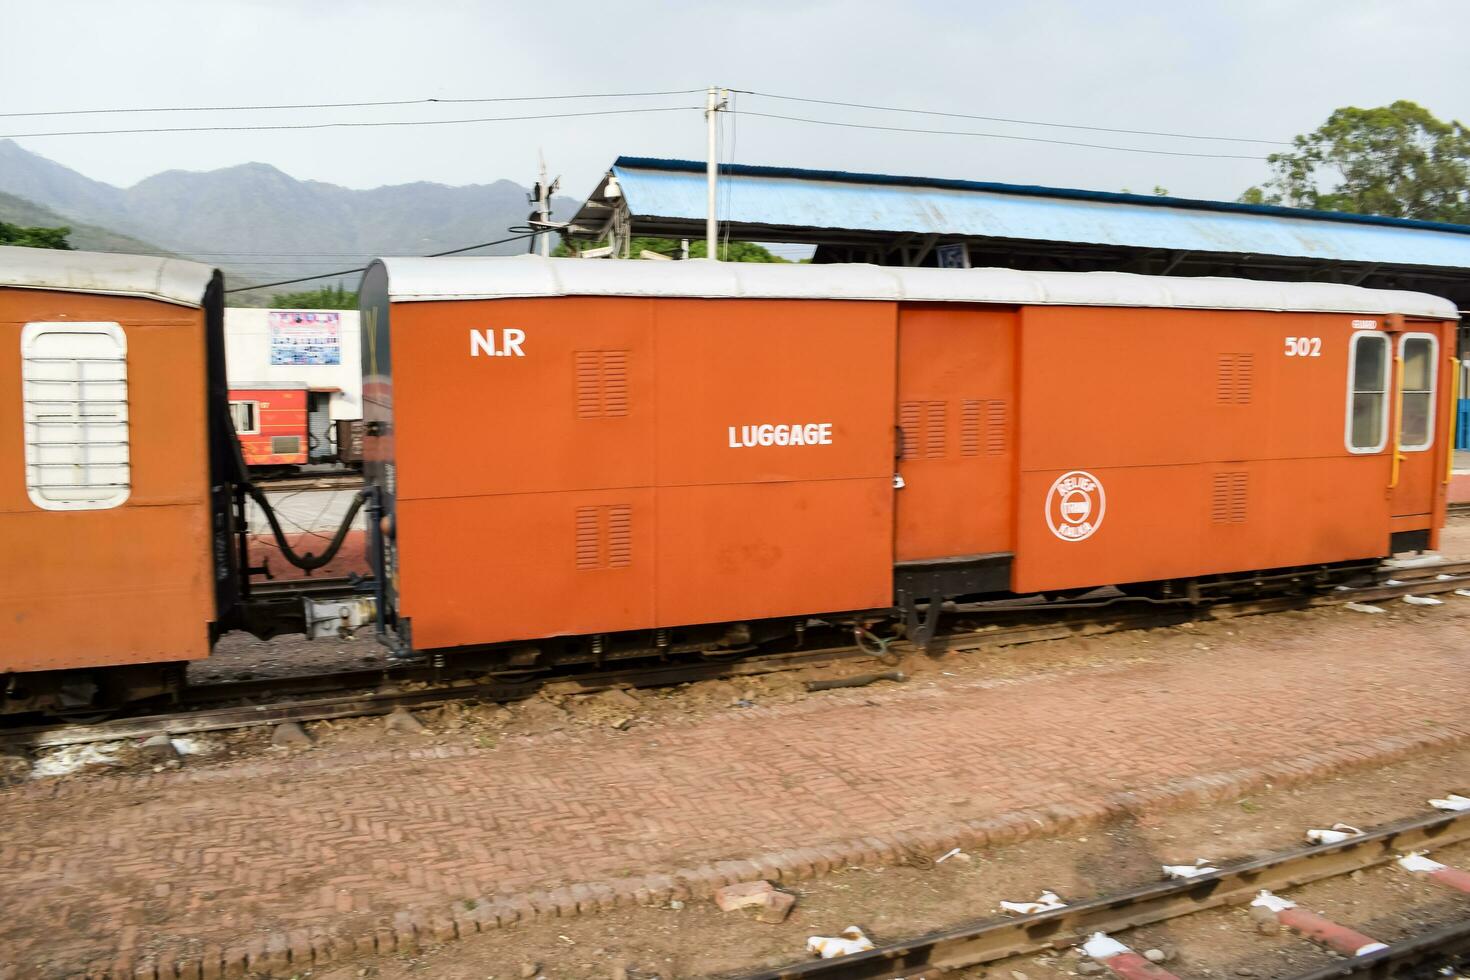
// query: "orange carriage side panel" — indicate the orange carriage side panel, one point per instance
point(589, 483)
point(126, 584)
point(524, 482)
point(957, 419)
point(497, 567)
point(573, 412)
point(1167, 443)
point(751, 531)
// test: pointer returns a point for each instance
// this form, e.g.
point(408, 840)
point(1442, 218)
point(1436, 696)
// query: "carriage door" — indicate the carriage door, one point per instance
point(1417, 465)
point(955, 431)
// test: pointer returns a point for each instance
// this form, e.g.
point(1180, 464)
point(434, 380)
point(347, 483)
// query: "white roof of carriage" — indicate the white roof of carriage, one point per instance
point(105, 273)
point(485, 277)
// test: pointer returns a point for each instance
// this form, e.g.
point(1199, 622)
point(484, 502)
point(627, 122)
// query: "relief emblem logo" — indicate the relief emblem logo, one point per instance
point(1075, 506)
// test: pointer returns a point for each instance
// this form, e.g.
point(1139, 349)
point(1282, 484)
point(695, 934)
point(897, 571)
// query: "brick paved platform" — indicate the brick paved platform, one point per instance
point(271, 861)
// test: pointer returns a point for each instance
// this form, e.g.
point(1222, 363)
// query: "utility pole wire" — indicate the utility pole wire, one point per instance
point(346, 105)
point(1019, 122)
point(351, 125)
point(1000, 136)
point(348, 272)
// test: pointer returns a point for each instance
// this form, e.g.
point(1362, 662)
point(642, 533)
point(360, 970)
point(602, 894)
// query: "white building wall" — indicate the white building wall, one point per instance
point(248, 360)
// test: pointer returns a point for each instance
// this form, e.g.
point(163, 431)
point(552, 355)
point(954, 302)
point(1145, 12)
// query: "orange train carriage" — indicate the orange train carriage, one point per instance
point(114, 506)
point(573, 460)
point(649, 453)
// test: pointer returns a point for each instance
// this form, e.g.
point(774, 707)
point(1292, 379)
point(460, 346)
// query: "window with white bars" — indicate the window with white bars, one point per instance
point(246, 418)
point(74, 383)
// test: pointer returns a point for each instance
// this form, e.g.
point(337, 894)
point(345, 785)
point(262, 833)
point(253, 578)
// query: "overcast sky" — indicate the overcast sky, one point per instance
point(1265, 69)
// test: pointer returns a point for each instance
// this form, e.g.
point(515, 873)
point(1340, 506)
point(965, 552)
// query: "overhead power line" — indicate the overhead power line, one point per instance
point(1019, 122)
point(344, 105)
point(1000, 136)
point(348, 272)
point(351, 125)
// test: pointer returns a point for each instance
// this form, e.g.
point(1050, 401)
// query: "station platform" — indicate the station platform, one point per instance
point(547, 809)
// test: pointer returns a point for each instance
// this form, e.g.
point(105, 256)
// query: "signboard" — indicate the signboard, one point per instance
point(955, 256)
point(305, 337)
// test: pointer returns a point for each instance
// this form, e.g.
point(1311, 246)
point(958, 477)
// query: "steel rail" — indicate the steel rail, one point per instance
point(1423, 955)
point(366, 697)
point(366, 703)
point(1233, 884)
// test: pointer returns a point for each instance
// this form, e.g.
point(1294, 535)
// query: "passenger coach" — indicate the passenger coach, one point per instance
point(116, 561)
point(664, 453)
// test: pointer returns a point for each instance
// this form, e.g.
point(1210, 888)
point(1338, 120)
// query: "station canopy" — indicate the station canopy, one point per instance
point(923, 221)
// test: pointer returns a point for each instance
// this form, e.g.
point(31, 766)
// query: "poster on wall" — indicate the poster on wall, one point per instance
point(305, 338)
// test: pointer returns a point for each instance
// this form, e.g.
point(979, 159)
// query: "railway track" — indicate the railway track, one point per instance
point(1235, 883)
point(417, 685)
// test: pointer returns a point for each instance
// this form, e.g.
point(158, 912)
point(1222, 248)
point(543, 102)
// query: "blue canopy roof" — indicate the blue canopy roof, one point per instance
point(818, 199)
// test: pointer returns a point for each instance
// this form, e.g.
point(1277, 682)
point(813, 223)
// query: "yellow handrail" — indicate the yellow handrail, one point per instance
point(1398, 419)
point(1449, 445)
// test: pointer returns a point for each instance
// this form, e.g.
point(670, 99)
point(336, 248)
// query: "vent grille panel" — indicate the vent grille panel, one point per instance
point(604, 537)
point(1235, 379)
point(970, 427)
point(935, 436)
point(602, 383)
point(1229, 498)
point(619, 536)
point(995, 428)
point(925, 429)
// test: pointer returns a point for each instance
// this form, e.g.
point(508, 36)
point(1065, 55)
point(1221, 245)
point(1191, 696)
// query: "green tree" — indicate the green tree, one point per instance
point(34, 237)
point(327, 298)
point(729, 252)
point(1396, 160)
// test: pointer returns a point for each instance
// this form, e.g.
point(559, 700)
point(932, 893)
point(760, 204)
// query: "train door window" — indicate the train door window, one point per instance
point(1367, 408)
point(1416, 426)
point(246, 417)
point(74, 385)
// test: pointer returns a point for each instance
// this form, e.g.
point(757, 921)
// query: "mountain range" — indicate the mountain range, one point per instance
point(257, 222)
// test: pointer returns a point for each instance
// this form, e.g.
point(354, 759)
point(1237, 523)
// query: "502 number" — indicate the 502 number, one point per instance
point(1303, 346)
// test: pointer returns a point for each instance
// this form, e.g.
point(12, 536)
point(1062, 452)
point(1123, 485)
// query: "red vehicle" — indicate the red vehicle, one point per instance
point(271, 424)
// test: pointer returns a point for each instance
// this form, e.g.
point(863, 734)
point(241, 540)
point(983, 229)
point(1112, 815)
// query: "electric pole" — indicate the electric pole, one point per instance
point(541, 197)
point(716, 99)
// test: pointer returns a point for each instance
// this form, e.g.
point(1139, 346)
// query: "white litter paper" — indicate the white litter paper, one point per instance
point(1275, 903)
point(1047, 901)
point(73, 757)
point(1451, 802)
point(1369, 948)
point(1423, 600)
point(1422, 561)
point(1463, 592)
point(1361, 607)
point(1419, 864)
point(1200, 867)
point(192, 746)
point(851, 941)
point(1101, 946)
point(1339, 833)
